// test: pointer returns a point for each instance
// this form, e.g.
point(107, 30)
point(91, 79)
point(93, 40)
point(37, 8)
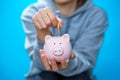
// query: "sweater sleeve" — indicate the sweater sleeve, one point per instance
point(87, 46)
point(32, 44)
point(29, 27)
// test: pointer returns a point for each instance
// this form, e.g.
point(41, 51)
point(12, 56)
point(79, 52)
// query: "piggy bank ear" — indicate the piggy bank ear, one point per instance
point(47, 38)
point(66, 37)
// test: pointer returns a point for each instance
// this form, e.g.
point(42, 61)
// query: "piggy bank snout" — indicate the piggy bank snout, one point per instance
point(58, 51)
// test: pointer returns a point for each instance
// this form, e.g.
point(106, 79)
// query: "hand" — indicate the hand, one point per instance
point(45, 18)
point(54, 66)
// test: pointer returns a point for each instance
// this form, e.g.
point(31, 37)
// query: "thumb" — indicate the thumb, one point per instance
point(41, 52)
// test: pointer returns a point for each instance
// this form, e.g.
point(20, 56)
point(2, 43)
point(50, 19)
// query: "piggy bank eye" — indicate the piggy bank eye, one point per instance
point(54, 43)
point(60, 43)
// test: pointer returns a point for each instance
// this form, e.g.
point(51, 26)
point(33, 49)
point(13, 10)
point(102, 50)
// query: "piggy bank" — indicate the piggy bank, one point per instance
point(57, 47)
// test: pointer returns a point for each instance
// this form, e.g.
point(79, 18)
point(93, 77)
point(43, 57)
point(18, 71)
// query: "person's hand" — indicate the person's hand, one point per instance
point(53, 65)
point(45, 18)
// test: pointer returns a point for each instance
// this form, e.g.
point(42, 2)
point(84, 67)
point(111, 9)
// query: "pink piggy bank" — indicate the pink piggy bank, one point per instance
point(57, 47)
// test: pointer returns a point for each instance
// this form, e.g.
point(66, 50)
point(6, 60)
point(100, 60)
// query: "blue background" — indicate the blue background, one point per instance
point(14, 61)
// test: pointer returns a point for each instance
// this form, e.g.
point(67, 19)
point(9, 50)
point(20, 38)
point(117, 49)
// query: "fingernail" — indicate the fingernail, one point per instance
point(49, 62)
point(48, 68)
point(41, 50)
point(67, 60)
point(42, 55)
point(55, 69)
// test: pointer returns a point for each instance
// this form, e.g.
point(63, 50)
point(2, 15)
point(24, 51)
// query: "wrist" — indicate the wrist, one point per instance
point(42, 33)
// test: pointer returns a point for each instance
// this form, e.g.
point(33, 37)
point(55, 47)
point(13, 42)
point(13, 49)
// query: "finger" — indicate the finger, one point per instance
point(44, 60)
point(72, 56)
point(37, 24)
point(52, 16)
point(54, 65)
point(59, 66)
point(35, 21)
point(41, 22)
point(45, 17)
point(64, 63)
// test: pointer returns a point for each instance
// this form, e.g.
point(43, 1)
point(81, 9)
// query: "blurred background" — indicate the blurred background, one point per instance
point(14, 61)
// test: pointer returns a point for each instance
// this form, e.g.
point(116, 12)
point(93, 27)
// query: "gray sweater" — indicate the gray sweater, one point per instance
point(86, 27)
